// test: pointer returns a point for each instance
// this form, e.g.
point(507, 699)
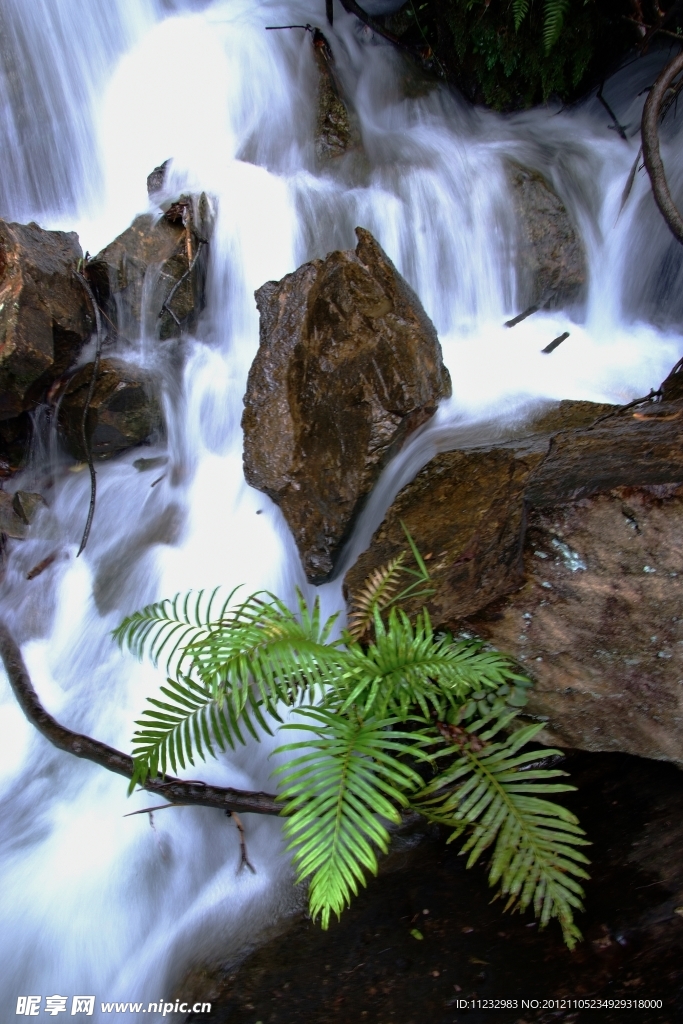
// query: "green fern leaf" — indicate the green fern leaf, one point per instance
point(333, 794)
point(553, 20)
point(520, 9)
point(489, 789)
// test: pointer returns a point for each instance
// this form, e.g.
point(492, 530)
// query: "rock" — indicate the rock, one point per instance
point(15, 438)
point(465, 511)
point(141, 279)
point(45, 313)
point(27, 504)
point(11, 525)
point(336, 130)
point(672, 387)
point(348, 366)
point(552, 261)
point(123, 412)
point(598, 622)
point(157, 178)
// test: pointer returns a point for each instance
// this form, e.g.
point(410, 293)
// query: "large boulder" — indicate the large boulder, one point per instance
point(123, 412)
point(348, 366)
point(563, 548)
point(45, 312)
point(152, 277)
point(598, 622)
point(552, 268)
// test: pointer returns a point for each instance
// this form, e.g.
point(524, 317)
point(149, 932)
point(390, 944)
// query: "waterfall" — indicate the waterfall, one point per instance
point(92, 97)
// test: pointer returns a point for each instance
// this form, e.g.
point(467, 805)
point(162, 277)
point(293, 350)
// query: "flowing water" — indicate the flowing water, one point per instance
point(92, 97)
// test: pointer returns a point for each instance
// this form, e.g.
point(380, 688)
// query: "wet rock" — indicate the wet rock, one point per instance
point(152, 277)
point(598, 623)
point(15, 437)
point(348, 366)
point(552, 262)
point(157, 178)
point(45, 313)
point(27, 505)
point(11, 525)
point(466, 512)
point(336, 129)
point(123, 413)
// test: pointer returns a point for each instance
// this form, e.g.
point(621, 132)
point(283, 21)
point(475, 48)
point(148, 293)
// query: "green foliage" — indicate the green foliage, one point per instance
point(511, 54)
point(409, 717)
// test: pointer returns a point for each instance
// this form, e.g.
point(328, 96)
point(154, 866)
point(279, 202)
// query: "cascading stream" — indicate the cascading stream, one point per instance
point(90, 102)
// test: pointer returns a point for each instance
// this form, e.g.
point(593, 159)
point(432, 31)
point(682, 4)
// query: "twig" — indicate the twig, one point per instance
point(623, 408)
point(554, 343)
point(40, 568)
point(244, 858)
point(522, 316)
point(176, 791)
point(169, 298)
point(651, 153)
point(617, 126)
point(86, 407)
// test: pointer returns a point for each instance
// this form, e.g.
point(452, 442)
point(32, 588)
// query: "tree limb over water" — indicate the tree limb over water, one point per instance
point(651, 154)
point(174, 790)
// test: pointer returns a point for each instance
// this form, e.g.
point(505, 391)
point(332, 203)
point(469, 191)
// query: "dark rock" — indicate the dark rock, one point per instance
point(348, 366)
point(15, 438)
point(11, 524)
point(45, 313)
point(598, 623)
point(123, 412)
point(672, 387)
point(157, 178)
point(143, 279)
point(552, 261)
point(27, 504)
point(336, 130)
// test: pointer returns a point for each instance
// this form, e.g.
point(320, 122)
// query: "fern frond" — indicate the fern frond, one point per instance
point(408, 665)
point(333, 794)
point(553, 20)
point(187, 724)
point(520, 9)
point(488, 788)
point(378, 590)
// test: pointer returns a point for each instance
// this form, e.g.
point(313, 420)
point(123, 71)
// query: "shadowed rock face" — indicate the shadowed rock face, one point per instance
point(123, 411)
point(45, 314)
point(552, 261)
point(348, 366)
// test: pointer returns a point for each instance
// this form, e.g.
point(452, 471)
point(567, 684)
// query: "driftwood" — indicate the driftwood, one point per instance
point(175, 791)
point(651, 154)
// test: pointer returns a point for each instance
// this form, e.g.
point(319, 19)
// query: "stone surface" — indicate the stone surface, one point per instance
point(552, 266)
point(45, 313)
point(348, 366)
point(27, 505)
point(598, 623)
point(335, 130)
point(123, 412)
point(15, 437)
point(141, 279)
point(11, 525)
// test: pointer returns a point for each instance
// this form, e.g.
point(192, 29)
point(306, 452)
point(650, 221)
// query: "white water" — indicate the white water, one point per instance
point(92, 98)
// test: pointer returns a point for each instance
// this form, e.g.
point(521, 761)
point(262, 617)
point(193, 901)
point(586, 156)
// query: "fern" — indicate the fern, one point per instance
point(520, 9)
point(494, 789)
point(377, 592)
point(333, 795)
point(553, 20)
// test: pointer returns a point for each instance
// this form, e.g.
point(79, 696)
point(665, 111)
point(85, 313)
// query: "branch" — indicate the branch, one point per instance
point(651, 154)
point(86, 408)
point(174, 790)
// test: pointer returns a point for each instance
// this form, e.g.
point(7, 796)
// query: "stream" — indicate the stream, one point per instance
point(92, 98)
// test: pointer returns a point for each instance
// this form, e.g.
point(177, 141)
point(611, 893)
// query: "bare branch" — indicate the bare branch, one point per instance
point(651, 154)
point(174, 790)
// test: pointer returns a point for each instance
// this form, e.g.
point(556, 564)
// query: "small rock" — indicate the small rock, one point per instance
point(27, 504)
point(10, 523)
point(143, 465)
point(123, 412)
point(157, 178)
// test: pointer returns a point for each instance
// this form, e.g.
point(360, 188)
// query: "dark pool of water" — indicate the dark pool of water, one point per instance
point(370, 969)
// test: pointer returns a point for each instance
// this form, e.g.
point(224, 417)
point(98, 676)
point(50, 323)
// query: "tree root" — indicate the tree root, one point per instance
point(175, 791)
point(651, 154)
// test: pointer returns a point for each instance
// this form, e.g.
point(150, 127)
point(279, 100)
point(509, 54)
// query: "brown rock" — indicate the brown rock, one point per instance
point(123, 412)
point(336, 129)
point(348, 366)
point(465, 511)
point(598, 624)
point(552, 261)
point(11, 525)
point(45, 313)
point(27, 504)
point(143, 274)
